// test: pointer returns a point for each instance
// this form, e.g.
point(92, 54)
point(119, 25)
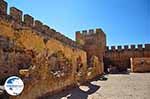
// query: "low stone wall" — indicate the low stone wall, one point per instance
point(140, 64)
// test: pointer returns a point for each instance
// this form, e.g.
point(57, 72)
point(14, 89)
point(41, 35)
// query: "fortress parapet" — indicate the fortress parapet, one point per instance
point(17, 20)
point(120, 56)
point(90, 32)
point(138, 47)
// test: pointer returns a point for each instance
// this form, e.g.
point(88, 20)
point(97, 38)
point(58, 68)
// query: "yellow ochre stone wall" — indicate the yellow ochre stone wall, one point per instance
point(41, 79)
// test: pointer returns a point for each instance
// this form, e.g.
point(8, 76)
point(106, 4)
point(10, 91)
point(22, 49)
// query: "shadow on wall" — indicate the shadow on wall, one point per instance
point(3, 94)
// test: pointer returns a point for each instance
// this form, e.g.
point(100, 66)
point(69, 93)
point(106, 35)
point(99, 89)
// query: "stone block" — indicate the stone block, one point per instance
point(45, 28)
point(98, 30)
point(84, 32)
point(28, 20)
point(107, 48)
point(119, 48)
point(3, 7)
point(91, 31)
point(147, 46)
point(132, 47)
point(16, 14)
point(140, 47)
point(126, 47)
point(113, 48)
point(38, 25)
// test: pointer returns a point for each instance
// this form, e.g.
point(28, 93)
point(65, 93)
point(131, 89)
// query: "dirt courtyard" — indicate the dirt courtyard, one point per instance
point(117, 86)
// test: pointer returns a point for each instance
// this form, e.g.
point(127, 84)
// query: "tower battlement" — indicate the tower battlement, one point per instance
point(92, 41)
point(90, 32)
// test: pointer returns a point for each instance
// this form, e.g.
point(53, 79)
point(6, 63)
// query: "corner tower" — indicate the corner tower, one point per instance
point(92, 41)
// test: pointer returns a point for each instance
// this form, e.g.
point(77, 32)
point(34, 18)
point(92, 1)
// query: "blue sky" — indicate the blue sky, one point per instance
point(123, 21)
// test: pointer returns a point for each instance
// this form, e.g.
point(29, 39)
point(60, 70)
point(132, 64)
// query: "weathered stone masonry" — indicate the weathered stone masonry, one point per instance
point(45, 59)
point(140, 64)
point(120, 57)
point(49, 62)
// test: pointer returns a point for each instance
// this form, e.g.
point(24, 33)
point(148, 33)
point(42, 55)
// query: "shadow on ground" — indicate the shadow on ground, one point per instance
point(78, 93)
point(75, 93)
point(127, 72)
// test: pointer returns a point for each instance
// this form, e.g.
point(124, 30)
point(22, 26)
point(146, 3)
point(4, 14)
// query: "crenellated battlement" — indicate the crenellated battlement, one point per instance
point(92, 36)
point(139, 47)
point(120, 55)
point(92, 41)
point(16, 18)
point(90, 32)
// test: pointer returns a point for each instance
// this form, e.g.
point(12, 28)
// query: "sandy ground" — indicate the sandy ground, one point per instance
point(117, 86)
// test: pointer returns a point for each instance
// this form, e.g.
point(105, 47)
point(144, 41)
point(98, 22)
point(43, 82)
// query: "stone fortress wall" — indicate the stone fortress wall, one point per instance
point(46, 60)
point(49, 62)
point(120, 55)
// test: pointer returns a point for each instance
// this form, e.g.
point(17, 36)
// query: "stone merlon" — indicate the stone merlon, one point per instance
point(28, 20)
point(3, 7)
point(16, 14)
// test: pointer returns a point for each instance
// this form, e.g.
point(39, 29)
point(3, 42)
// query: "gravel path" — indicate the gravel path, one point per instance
point(117, 86)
